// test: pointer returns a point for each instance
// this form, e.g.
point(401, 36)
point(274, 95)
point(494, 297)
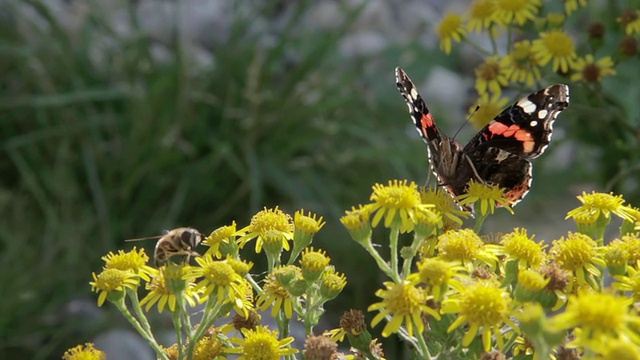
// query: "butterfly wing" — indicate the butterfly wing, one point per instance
point(524, 128)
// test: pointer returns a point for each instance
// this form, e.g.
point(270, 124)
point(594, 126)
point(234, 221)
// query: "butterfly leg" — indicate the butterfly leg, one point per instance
point(473, 168)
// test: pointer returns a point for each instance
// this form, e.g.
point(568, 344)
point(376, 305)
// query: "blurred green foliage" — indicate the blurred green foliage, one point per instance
point(103, 141)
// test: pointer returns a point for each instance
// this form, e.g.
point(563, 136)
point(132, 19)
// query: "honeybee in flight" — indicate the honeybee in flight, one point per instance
point(180, 241)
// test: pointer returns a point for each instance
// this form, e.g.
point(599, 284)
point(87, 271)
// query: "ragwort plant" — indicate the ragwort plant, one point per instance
point(450, 293)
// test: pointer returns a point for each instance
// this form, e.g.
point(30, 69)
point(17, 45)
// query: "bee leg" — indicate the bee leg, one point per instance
point(189, 255)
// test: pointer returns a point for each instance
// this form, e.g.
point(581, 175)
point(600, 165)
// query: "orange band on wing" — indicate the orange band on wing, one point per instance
point(515, 131)
point(426, 122)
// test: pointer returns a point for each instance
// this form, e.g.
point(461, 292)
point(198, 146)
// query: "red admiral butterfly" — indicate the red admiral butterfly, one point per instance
point(499, 154)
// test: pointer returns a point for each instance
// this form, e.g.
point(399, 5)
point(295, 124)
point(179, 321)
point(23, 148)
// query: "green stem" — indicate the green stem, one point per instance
point(404, 335)
point(415, 245)
point(480, 49)
point(177, 325)
point(393, 246)
point(379, 260)
point(308, 326)
point(479, 222)
point(254, 284)
point(133, 295)
point(210, 315)
point(147, 336)
point(283, 324)
point(425, 354)
point(494, 45)
point(509, 343)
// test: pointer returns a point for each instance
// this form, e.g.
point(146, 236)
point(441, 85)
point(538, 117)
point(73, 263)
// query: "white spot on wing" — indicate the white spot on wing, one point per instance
point(527, 106)
point(414, 93)
point(542, 114)
point(533, 123)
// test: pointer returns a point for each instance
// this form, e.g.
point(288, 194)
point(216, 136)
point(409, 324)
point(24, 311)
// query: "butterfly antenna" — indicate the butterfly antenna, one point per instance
point(466, 121)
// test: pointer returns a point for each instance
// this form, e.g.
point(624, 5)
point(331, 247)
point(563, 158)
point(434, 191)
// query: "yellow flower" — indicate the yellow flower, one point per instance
point(357, 223)
point(620, 349)
point(483, 306)
point(517, 11)
point(464, 247)
point(521, 65)
point(444, 203)
point(426, 222)
point(218, 278)
point(111, 283)
point(490, 76)
point(397, 203)
point(617, 258)
point(519, 246)
point(489, 197)
point(209, 347)
point(486, 109)
point(405, 304)
point(161, 292)
point(600, 317)
point(555, 45)
point(631, 225)
point(306, 225)
point(450, 28)
point(134, 260)
point(244, 305)
point(437, 275)
point(531, 280)
point(272, 222)
point(603, 205)
point(482, 14)
point(572, 5)
point(579, 254)
point(221, 236)
point(241, 267)
point(332, 284)
point(532, 287)
point(556, 19)
point(261, 344)
point(351, 322)
point(313, 262)
point(630, 19)
point(590, 71)
point(84, 352)
point(631, 244)
point(275, 295)
point(629, 283)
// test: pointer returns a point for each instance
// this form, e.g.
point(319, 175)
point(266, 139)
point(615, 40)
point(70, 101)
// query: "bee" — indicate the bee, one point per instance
point(180, 241)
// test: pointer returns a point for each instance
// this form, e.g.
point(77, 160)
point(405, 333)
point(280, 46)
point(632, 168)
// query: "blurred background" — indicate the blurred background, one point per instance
point(121, 119)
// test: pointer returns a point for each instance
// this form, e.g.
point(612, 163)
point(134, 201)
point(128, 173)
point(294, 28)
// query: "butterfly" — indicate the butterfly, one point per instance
point(500, 153)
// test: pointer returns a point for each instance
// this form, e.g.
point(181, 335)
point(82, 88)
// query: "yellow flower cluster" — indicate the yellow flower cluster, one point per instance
point(447, 284)
point(221, 281)
point(529, 44)
point(469, 291)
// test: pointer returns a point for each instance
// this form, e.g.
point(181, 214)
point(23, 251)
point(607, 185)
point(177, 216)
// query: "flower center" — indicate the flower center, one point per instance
point(220, 273)
point(484, 305)
point(488, 71)
point(403, 300)
point(591, 72)
point(559, 44)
